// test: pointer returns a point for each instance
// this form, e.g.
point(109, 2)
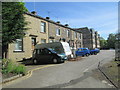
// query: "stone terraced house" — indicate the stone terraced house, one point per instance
point(91, 38)
point(42, 30)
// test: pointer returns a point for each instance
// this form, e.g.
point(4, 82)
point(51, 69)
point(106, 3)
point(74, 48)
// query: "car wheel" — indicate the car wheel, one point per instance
point(95, 53)
point(91, 53)
point(87, 54)
point(55, 60)
point(35, 61)
point(82, 55)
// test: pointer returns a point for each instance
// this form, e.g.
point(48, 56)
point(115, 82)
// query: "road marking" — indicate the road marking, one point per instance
point(85, 70)
point(103, 81)
point(29, 74)
point(90, 67)
point(110, 85)
point(31, 71)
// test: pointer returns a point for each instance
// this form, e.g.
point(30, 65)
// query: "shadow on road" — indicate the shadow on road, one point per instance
point(29, 62)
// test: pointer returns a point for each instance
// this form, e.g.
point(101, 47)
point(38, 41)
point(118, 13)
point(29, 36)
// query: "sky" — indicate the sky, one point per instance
point(101, 16)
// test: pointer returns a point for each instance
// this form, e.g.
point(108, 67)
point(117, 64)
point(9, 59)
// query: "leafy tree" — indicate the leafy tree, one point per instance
point(111, 40)
point(103, 43)
point(13, 23)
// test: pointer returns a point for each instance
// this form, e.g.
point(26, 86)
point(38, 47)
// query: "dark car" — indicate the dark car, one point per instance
point(45, 55)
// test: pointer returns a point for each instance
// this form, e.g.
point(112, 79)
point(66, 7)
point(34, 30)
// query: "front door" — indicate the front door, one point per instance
point(33, 43)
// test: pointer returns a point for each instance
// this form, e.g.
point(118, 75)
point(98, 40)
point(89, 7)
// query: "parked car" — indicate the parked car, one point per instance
point(94, 51)
point(51, 52)
point(45, 55)
point(82, 52)
point(58, 47)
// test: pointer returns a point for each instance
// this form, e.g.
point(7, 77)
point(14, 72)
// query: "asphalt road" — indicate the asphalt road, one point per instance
point(76, 74)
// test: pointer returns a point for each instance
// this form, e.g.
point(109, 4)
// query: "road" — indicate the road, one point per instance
point(75, 74)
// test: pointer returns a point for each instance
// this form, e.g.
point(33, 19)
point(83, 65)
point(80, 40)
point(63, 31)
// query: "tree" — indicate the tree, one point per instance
point(111, 40)
point(13, 24)
point(103, 43)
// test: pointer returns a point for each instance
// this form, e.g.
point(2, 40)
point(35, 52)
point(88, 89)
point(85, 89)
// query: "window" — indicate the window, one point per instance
point(79, 36)
point(43, 27)
point(51, 41)
point(37, 51)
point(43, 40)
point(45, 51)
point(19, 45)
point(68, 33)
point(57, 31)
point(75, 33)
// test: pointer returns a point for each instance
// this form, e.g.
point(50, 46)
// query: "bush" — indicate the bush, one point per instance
point(8, 66)
point(20, 69)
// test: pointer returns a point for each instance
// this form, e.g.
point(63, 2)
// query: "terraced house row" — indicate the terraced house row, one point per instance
point(44, 30)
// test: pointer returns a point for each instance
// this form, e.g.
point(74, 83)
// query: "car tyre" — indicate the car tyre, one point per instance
point(55, 60)
point(35, 61)
point(82, 55)
point(87, 55)
point(95, 53)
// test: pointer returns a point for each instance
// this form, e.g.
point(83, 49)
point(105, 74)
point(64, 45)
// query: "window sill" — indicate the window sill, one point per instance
point(57, 35)
point(18, 51)
point(43, 32)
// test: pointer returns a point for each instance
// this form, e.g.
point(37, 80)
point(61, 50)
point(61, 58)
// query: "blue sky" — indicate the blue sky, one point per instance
point(102, 16)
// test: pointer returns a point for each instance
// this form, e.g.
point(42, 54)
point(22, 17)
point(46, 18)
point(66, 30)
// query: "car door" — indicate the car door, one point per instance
point(39, 55)
point(47, 55)
point(80, 52)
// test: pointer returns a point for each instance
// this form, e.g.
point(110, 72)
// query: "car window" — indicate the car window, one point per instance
point(84, 49)
point(79, 49)
point(38, 51)
point(52, 50)
point(45, 51)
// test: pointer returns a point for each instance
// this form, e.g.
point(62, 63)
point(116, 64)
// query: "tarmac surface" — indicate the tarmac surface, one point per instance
point(71, 74)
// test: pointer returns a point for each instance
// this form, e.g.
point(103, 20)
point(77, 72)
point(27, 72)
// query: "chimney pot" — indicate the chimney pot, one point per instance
point(58, 21)
point(66, 25)
point(34, 12)
point(47, 17)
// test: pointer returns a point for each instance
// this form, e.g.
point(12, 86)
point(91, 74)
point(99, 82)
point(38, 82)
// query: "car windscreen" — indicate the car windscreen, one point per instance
point(55, 50)
point(51, 50)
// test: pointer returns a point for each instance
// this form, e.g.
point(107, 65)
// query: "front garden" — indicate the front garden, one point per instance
point(11, 68)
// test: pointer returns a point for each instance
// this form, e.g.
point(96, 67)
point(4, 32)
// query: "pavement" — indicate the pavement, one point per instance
point(75, 74)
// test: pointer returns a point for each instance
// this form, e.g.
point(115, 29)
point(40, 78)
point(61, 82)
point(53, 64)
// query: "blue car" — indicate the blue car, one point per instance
point(82, 52)
point(94, 51)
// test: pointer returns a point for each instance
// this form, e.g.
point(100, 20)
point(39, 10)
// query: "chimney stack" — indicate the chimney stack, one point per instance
point(47, 17)
point(34, 12)
point(66, 25)
point(58, 21)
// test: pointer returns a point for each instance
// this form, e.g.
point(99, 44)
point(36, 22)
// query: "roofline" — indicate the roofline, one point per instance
point(28, 13)
point(81, 28)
